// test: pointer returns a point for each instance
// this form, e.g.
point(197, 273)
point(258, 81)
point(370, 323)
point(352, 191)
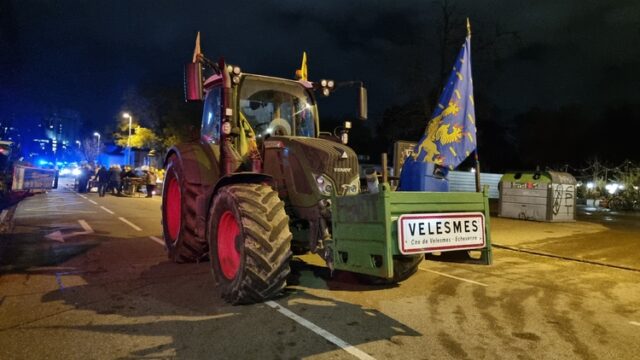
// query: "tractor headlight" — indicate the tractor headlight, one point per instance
point(324, 183)
point(352, 188)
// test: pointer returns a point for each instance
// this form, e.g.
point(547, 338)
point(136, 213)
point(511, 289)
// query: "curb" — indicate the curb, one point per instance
point(541, 253)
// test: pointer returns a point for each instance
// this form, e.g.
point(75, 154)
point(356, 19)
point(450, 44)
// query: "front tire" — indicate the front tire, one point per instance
point(249, 243)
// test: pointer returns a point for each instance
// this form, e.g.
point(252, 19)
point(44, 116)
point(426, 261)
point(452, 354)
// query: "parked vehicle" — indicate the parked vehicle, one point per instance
point(261, 184)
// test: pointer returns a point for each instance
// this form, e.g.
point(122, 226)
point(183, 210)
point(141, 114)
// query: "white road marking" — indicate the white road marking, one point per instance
point(157, 240)
point(82, 196)
point(93, 202)
point(85, 226)
point(634, 323)
point(55, 236)
point(130, 223)
point(107, 210)
point(320, 331)
point(454, 277)
point(59, 237)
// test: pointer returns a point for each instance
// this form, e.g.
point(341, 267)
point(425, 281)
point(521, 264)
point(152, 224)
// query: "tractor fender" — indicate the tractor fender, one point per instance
point(243, 177)
point(198, 162)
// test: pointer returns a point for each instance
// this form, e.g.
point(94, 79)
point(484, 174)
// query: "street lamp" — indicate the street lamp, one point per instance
point(98, 135)
point(127, 115)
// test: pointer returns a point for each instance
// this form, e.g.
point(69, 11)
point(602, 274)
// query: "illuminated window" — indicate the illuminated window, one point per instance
point(211, 116)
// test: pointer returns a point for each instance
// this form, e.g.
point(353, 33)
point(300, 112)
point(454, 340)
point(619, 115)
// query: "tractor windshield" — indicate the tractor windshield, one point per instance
point(274, 107)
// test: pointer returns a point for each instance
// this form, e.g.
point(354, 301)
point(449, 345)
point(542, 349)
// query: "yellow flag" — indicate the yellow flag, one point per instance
point(196, 50)
point(247, 137)
point(302, 73)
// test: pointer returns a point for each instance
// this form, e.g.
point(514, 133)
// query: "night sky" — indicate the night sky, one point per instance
point(533, 61)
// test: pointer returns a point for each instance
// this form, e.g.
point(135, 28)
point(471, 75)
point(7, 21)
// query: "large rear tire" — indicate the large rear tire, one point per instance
point(179, 215)
point(403, 267)
point(249, 242)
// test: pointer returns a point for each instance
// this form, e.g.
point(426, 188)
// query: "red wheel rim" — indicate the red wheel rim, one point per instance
point(173, 209)
point(228, 255)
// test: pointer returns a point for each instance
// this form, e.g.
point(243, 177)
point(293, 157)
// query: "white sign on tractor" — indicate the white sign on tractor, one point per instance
point(426, 233)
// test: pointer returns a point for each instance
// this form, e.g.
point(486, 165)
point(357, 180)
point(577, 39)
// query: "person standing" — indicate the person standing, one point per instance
point(150, 179)
point(103, 180)
point(114, 179)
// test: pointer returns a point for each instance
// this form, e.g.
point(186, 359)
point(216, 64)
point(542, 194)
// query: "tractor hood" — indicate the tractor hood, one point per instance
point(337, 161)
point(309, 169)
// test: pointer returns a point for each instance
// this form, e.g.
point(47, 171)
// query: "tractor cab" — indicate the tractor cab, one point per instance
point(273, 107)
point(257, 107)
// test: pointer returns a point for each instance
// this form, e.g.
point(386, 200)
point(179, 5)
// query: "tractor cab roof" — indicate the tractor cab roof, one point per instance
point(218, 77)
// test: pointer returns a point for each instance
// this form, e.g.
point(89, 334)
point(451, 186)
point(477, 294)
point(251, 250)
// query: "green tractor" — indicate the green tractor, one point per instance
point(263, 183)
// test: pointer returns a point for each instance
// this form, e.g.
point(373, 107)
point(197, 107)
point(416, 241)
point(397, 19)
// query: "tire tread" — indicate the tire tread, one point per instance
point(267, 244)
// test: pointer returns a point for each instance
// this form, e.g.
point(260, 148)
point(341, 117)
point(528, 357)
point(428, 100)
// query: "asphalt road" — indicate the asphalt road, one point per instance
point(87, 277)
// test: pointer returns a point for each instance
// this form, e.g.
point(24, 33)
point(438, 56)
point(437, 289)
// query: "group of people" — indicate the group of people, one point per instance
point(114, 179)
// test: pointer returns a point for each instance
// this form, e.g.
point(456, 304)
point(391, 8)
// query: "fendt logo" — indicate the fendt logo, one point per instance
point(342, 170)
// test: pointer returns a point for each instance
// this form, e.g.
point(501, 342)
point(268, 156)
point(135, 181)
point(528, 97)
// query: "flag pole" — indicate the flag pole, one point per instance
point(478, 189)
point(477, 161)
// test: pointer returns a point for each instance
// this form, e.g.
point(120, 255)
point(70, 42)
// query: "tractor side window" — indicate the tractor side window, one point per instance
point(211, 116)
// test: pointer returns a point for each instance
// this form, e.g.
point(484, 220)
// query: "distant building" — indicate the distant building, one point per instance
point(54, 138)
point(63, 128)
point(7, 131)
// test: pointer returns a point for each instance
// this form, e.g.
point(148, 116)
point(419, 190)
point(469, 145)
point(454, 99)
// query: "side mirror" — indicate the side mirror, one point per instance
point(362, 103)
point(193, 82)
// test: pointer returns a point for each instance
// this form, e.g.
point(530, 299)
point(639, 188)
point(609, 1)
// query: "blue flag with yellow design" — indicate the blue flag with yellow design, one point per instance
point(451, 133)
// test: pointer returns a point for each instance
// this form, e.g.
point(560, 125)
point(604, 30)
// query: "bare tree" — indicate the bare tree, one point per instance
point(90, 149)
point(490, 46)
point(450, 19)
